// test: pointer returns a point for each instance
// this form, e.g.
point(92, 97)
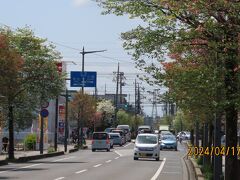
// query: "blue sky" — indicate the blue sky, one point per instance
point(78, 23)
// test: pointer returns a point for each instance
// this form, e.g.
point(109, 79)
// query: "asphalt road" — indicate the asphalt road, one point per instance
point(87, 165)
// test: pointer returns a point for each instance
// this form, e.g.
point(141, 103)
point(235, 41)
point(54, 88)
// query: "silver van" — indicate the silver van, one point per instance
point(101, 141)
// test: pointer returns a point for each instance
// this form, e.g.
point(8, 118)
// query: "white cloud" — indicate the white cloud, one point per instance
point(79, 3)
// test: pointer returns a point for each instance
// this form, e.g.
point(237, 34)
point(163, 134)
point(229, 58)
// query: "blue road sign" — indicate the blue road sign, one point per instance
point(44, 113)
point(86, 79)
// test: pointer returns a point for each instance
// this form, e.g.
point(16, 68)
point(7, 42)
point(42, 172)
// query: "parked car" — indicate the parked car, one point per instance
point(168, 142)
point(146, 146)
point(101, 141)
point(121, 132)
point(117, 139)
point(127, 130)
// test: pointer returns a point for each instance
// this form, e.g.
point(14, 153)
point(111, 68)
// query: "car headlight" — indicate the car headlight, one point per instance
point(136, 148)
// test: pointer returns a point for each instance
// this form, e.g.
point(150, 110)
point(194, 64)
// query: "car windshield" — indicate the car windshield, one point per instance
point(147, 139)
point(168, 138)
point(100, 136)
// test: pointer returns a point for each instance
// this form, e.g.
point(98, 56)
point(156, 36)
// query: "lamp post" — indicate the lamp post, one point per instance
point(83, 83)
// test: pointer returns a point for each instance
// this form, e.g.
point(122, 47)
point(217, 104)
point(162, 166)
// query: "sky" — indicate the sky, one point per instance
point(72, 24)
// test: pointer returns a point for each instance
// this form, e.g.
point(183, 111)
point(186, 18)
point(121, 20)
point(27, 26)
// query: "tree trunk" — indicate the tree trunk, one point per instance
point(205, 142)
point(192, 136)
point(11, 132)
point(231, 87)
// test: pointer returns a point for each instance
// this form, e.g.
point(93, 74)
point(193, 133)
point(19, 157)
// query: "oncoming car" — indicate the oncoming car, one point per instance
point(147, 146)
point(168, 142)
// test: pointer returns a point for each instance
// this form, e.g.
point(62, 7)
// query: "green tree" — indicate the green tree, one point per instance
point(124, 118)
point(214, 25)
point(28, 73)
point(82, 110)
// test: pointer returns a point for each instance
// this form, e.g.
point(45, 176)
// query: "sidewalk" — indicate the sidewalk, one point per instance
point(22, 153)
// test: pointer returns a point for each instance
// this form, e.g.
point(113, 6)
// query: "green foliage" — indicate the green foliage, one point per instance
point(124, 118)
point(200, 160)
point(208, 172)
point(51, 150)
point(30, 141)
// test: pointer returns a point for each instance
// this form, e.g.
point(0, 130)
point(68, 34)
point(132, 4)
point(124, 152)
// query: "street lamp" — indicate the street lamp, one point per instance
point(83, 83)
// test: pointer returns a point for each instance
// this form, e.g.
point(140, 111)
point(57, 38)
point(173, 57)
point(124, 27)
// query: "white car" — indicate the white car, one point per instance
point(147, 146)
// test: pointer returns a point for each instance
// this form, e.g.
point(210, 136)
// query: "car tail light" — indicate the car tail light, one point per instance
point(92, 141)
point(108, 141)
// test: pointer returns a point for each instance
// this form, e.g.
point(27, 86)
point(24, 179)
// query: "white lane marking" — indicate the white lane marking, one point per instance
point(116, 157)
point(159, 170)
point(127, 144)
point(108, 161)
point(118, 153)
point(168, 172)
point(64, 159)
point(59, 178)
point(97, 165)
point(15, 169)
point(78, 172)
point(30, 166)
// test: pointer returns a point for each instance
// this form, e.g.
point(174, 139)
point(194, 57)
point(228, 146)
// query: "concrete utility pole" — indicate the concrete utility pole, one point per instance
point(83, 84)
point(56, 125)
point(139, 100)
point(122, 77)
point(66, 122)
point(116, 98)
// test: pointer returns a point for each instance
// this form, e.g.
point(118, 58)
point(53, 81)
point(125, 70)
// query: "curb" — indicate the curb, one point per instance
point(72, 150)
point(3, 162)
point(198, 172)
point(196, 167)
point(35, 157)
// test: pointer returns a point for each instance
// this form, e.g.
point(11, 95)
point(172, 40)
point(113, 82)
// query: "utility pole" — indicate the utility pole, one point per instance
point(121, 74)
point(83, 83)
point(139, 100)
point(56, 125)
point(116, 99)
point(41, 136)
point(135, 109)
point(66, 122)
point(105, 91)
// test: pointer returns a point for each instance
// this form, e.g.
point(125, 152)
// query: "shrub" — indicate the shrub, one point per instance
point(51, 150)
point(30, 141)
point(200, 160)
point(208, 172)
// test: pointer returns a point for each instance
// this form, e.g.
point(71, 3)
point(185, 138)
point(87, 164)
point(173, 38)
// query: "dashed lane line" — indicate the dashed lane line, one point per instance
point(108, 161)
point(116, 157)
point(97, 165)
point(78, 172)
point(59, 178)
